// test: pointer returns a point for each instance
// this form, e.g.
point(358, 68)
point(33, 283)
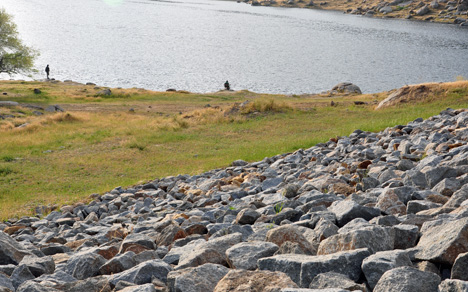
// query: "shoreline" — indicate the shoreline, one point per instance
point(439, 11)
point(334, 91)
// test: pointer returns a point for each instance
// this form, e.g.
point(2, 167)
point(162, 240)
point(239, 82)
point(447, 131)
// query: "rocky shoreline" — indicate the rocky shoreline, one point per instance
point(383, 211)
point(444, 11)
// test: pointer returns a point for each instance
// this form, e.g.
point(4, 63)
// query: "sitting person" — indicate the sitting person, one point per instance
point(226, 85)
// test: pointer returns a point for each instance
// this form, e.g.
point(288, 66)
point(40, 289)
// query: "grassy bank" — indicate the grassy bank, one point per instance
point(135, 135)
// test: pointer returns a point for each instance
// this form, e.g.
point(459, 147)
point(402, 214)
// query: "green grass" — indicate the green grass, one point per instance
point(63, 158)
point(4, 171)
point(7, 158)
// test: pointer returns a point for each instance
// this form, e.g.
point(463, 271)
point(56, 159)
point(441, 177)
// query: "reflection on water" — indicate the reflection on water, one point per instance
point(196, 45)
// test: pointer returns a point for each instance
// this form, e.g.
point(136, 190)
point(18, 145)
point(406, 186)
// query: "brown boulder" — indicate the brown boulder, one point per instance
point(375, 238)
point(12, 229)
point(286, 233)
point(254, 281)
point(117, 232)
point(108, 252)
point(200, 257)
point(390, 204)
point(170, 234)
point(341, 188)
point(406, 94)
point(364, 164)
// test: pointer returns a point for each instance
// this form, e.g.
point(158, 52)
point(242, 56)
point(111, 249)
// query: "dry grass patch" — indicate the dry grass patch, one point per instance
point(265, 106)
point(62, 117)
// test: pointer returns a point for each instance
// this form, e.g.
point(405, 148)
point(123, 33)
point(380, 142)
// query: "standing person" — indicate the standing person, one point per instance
point(227, 86)
point(47, 70)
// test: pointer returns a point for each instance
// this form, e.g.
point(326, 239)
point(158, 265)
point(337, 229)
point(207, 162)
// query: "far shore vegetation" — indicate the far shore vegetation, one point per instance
point(133, 135)
point(438, 11)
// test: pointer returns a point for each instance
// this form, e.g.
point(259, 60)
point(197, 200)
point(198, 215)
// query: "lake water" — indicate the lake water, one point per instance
point(197, 45)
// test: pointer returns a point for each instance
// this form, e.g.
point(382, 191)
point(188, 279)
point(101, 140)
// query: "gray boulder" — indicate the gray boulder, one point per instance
point(104, 92)
point(312, 290)
point(287, 214)
point(221, 244)
point(407, 279)
point(324, 229)
point(450, 285)
point(55, 249)
point(200, 256)
point(118, 264)
point(95, 284)
point(447, 186)
point(148, 255)
point(303, 269)
point(84, 265)
point(458, 197)
point(5, 282)
point(347, 210)
point(443, 249)
point(143, 273)
point(173, 256)
point(423, 10)
point(435, 4)
point(404, 164)
point(59, 278)
point(140, 288)
point(20, 275)
point(460, 267)
point(135, 240)
point(199, 279)
point(247, 216)
point(462, 5)
point(347, 87)
point(7, 269)
point(11, 252)
point(244, 255)
point(335, 280)
point(245, 231)
point(239, 162)
point(39, 265)
point(416, 178)
point(406, 236)
point(385, 9)
point(271, 183)
point(31, 286)
point(436, 174)
point(290, 191)
point(290, 248)
point(377, 264)
point(416, 206)
point(8, 103)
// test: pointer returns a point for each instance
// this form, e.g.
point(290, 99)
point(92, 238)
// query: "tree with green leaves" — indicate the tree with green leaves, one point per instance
point(15, 57)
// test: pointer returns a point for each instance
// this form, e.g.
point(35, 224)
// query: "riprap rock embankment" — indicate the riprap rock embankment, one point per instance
point(381, 211)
